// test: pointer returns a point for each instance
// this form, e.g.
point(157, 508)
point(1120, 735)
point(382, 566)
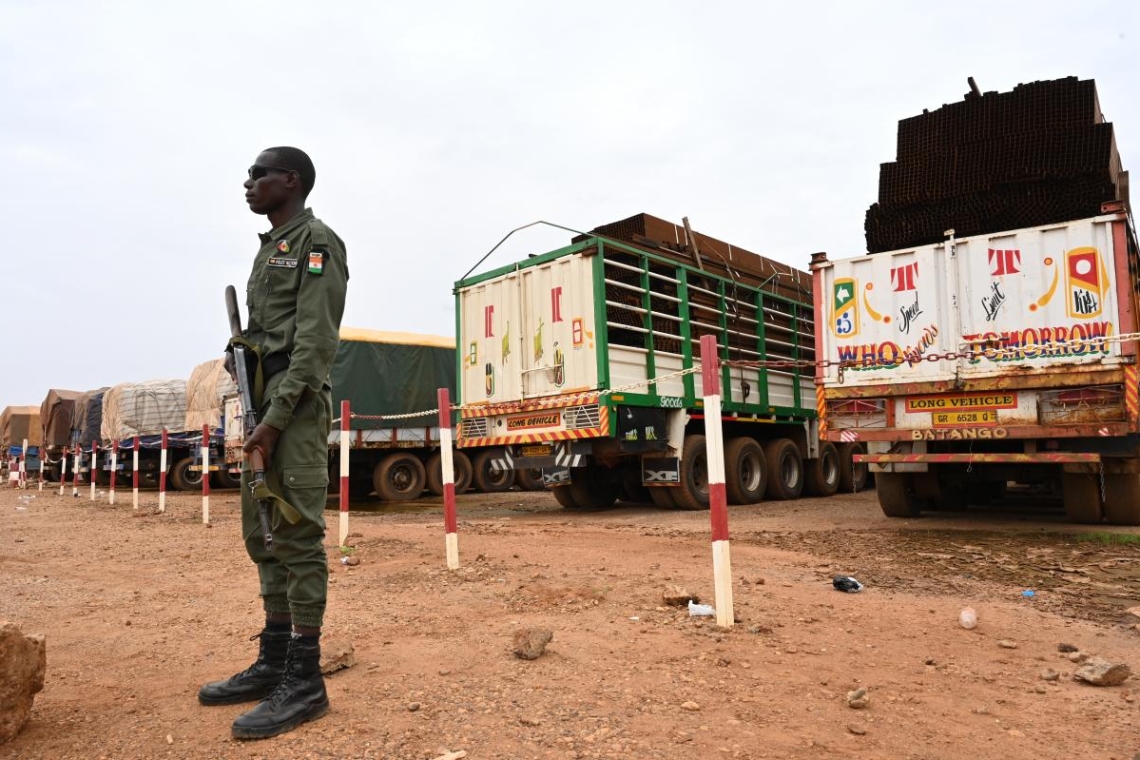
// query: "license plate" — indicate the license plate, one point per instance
point(537, 451)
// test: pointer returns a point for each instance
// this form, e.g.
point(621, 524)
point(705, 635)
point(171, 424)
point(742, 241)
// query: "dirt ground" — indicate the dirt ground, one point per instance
point(139, 608)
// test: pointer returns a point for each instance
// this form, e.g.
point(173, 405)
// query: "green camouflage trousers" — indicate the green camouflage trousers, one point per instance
point(295, 574)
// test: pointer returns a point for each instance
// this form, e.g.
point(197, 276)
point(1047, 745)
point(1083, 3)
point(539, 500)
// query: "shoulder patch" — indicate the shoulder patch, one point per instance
point(283, 246)
point(316, 262)
point(282, 262)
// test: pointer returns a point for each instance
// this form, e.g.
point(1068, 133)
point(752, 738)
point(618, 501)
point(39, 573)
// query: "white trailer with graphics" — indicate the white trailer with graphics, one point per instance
point(1002, 358)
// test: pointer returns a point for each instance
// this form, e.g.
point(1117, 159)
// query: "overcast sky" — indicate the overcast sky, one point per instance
point(126, 129)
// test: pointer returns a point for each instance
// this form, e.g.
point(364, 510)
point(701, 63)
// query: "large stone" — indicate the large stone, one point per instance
point(530, 643)
point(23, 660)
point(336, 654)
point(1100, 672)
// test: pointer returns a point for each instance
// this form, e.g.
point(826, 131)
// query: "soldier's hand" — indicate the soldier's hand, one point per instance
point(230, 367)
point(264, 439)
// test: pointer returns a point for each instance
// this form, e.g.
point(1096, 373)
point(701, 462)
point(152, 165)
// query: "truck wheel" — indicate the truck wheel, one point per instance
point(1122, 499)
point(1080, 494)
point(529, 479)
point(461, 464)
point(746, 472)
point(852, 476)
point(662, 496)
point(785, 469)
point(399, 477)
point(896, 498)
point(486, 479)
point(182, 478)
point(821, 476)
point(593, 487)
point(632, 490)
point(694, 490)
point(564, 498)
point(223, 478)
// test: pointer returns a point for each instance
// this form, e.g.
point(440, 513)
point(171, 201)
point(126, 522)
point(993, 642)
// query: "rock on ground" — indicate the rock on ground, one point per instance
point(336, 654)
point(1100, 672)
point(858, 699)
point(23, 660)
point(678, 596)
point(530, 643)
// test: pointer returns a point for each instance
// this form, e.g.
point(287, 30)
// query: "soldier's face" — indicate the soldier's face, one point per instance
point(268, 187)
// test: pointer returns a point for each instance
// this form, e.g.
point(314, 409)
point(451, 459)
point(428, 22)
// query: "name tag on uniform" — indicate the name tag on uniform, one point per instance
point(284, 263)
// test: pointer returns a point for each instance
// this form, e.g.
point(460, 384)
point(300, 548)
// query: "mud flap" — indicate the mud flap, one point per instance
point(555, 476)
point(657, 471)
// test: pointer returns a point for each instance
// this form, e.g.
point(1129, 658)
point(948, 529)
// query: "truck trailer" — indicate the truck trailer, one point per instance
point(557, 351)
point(388, 378)
point(970, 364)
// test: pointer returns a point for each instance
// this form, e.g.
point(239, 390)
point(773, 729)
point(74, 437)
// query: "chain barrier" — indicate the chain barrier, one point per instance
point(516, 405)
point(995, 353)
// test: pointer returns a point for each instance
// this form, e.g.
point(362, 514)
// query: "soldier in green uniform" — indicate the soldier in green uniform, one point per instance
point(295, 298)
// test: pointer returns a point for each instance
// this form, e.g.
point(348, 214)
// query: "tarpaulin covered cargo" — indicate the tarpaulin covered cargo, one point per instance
point(206, 390)
point(55, 416)
point(18, 423)
point(87, 417)
point(145, 408)
point(391, 373)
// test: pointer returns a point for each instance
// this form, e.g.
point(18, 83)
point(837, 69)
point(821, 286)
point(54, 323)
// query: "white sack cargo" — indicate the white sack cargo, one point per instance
point(146, 408)
point(206, 390)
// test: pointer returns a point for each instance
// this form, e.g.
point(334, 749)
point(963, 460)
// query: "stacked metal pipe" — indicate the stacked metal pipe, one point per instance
point(1039, 154)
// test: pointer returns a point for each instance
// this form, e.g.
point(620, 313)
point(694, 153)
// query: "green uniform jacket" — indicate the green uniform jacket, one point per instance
point(295, 298)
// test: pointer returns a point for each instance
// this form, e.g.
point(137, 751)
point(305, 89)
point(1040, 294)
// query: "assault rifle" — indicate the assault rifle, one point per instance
point(249, 412)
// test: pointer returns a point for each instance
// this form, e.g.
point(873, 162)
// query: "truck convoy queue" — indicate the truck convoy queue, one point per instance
point(987, 346)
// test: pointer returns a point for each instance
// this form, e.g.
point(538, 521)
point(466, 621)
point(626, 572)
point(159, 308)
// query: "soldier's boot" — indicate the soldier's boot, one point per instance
point(298, 698)
point(258, 680)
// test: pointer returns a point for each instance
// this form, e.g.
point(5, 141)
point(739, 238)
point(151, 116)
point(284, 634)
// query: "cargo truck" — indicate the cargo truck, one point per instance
point(967, 365)
point(55, 421)
point(556, 351)
point(385, 376)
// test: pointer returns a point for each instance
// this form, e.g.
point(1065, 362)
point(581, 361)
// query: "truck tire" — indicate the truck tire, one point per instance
point(399, 477)
point(745, 471)
point(564, 498)
point(593, 487)
point(662, 496)
point(785, 469)
point(852, 476)
point(486, 479)
point(529, 479)
point(1080, 494)
point(1122, 499)
point(821, 475)
point(223, 478)
point(182, 478)
point(896, 497)
point(694, 491)
point(461, 465)
point(632, 490)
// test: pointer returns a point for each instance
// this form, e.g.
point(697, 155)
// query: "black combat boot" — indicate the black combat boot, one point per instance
point(258, 680)
point(298, 698)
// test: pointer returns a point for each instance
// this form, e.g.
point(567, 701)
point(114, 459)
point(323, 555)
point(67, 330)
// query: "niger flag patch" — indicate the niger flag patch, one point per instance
point(316, 262)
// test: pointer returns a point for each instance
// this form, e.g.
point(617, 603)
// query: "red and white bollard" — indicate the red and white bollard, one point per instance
point(718, 501)
point(135, 471)
point(447, 464)
point(24, 466)
point(345, 424)
point(63, 471)
point(75, 474)
point(205, 474)
point(114, 471)
point(43, 456)
point(162, 474)
point(94, 466)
